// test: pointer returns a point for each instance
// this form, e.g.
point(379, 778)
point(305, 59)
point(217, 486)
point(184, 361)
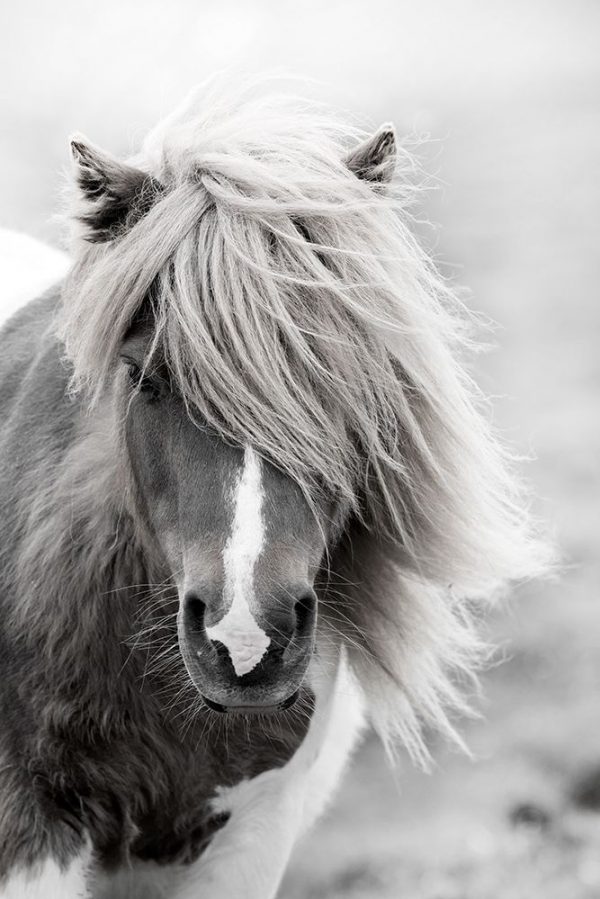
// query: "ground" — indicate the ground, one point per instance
point(509, 94)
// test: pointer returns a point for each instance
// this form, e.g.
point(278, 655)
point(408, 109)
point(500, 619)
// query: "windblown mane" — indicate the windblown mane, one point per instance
point(297, 313)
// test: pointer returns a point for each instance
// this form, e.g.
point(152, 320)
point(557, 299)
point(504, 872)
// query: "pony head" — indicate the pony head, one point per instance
point(304, 449)
point(237, 535)
point(242, 540)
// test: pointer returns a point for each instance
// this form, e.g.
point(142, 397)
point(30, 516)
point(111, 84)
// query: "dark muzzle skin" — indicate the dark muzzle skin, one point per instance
point(273, 683)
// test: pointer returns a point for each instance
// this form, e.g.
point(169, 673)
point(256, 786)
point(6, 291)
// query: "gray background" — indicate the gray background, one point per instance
point(507, 93)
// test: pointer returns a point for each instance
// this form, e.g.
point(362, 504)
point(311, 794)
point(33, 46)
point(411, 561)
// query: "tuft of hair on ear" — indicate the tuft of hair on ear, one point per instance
point(110, 195)
point(375, 158)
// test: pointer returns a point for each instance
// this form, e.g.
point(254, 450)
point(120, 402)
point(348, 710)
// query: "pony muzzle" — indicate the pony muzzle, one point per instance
point(243, 666)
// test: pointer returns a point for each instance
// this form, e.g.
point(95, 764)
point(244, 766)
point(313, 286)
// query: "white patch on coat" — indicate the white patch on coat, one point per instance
point(28, 268)
point(47, 880)
point(137, 880)
point(247, 858)
point(238, 629)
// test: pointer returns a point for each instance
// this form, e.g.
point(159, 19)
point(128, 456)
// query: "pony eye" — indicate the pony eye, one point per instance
point(134, 373)
point(143, 384)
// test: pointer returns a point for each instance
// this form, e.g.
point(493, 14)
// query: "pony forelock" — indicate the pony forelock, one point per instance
point(297, 313)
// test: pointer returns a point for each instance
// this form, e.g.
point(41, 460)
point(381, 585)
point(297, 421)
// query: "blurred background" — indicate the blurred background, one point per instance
point(507, 94)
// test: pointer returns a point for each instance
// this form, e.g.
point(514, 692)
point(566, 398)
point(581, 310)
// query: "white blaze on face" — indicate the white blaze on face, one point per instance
point(238, 629)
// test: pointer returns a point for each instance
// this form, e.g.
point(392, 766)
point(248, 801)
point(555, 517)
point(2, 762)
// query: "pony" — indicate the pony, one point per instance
point(250, 502)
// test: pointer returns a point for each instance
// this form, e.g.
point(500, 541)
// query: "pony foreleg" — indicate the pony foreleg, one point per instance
point(248, 857)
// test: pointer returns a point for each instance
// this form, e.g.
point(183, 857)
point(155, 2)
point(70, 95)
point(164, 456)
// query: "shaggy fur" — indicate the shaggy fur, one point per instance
point(296, 313)
point(100, 723)
point(268, 252)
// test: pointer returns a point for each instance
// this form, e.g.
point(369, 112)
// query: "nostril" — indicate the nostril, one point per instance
point(304, 611)
point(195, 611)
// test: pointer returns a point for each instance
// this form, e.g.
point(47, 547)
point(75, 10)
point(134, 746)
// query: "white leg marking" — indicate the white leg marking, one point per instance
point(46, 880)
point(248, 857)
point(238, 630)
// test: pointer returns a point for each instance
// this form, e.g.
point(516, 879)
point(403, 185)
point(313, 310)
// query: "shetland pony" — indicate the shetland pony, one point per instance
point(248, 498)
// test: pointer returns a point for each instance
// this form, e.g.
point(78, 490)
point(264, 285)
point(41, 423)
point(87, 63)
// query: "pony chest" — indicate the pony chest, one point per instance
point(161, 807)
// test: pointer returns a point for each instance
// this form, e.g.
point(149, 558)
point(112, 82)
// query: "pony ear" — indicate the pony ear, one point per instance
point(375, 158)
point(111, 194)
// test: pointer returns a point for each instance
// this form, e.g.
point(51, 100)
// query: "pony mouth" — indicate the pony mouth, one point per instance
point(254, 709)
